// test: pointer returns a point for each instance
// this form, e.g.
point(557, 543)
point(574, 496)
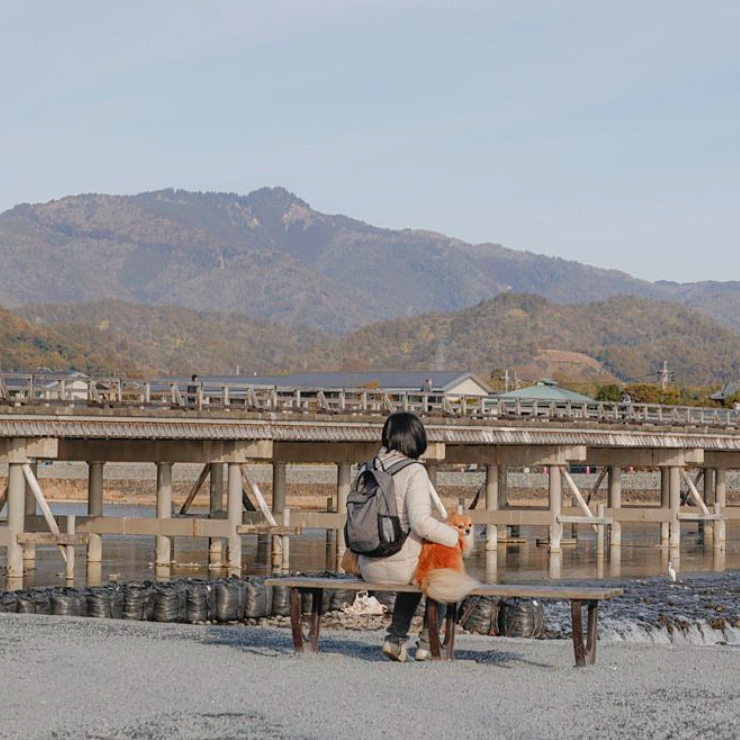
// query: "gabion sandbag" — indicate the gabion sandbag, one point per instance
point(479, 614)
point(337, 599)
point(34, 602)
point(230, 595)
point(170, 603)
point(257, 599)
point(281, 601)
point(521, 618)
point(200, 602)
point(105, 602)
point(307, 603)
point(25, 603)
point(9, 602)
point(66, 603)
point(138, 602)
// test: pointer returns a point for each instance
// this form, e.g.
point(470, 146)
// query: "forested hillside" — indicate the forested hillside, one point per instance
point(621, 338)
point(629, 337)
point(167, 340)
point(26, 348)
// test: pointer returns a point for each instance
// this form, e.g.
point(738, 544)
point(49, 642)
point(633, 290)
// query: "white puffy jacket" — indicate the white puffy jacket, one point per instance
point(415, 511)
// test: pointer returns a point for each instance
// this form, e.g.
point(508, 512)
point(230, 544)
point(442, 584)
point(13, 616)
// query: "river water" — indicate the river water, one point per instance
point(131, 557)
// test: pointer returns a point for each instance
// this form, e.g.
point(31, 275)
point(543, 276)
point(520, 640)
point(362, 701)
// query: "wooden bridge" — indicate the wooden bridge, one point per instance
point(39, 389)
point(228, 428)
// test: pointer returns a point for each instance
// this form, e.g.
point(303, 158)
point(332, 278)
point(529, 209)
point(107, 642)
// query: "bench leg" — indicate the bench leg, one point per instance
point(449, 641)
point(295, 619)
point(593, 614)
point(315, 621)
point(433, 629)
point(585, 655)
point(432, 619)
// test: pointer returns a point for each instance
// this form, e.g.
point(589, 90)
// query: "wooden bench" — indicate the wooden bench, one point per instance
point(585, 652)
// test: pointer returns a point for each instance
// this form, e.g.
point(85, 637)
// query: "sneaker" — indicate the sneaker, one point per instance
point(423, 651)
point(395, 649)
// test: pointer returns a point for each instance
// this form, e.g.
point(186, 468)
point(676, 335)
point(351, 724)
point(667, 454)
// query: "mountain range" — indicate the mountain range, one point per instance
point(178, 281)
point(270, 255)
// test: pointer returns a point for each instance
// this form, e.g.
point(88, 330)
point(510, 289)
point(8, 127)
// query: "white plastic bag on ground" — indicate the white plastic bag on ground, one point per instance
point(364, 604)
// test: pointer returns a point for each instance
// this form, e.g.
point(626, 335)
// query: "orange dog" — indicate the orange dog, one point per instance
point(440, 573)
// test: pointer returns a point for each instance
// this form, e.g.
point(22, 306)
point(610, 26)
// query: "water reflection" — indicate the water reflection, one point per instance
point(641, 555)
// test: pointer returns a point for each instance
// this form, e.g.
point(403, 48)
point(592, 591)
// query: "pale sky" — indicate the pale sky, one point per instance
point(601, 132)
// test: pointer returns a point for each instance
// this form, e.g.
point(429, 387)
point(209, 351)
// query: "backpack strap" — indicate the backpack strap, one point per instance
point(377, 464)
point(400, 465)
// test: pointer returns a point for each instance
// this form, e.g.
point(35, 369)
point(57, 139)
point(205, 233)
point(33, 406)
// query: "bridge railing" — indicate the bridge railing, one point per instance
point(40, 389)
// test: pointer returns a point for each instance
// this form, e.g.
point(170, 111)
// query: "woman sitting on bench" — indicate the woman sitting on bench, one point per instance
point(404, 437)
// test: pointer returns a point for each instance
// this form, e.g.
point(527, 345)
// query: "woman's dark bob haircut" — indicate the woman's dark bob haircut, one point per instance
point(404, 433)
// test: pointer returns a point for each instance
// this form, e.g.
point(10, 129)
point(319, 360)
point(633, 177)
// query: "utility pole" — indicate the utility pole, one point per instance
point(664, 375)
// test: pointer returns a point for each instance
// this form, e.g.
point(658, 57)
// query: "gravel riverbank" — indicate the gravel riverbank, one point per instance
point(70, 678)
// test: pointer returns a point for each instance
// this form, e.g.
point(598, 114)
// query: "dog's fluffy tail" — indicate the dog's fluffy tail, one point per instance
point(448, 586)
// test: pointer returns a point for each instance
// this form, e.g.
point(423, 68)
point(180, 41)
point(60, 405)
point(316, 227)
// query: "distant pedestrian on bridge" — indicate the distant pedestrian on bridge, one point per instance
point(193, 389)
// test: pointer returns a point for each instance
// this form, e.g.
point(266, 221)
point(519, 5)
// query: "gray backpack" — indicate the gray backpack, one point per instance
point(373, 526)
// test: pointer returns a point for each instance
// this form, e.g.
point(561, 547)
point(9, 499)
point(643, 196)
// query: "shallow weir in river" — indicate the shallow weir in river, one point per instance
point(698, 633)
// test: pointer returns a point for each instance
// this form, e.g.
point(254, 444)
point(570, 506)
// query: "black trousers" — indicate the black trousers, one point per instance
point(403, 612)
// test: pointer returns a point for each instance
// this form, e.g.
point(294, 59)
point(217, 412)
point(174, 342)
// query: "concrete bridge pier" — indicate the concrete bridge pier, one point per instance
point(665, 487)
point(615, 564)
point(600, 562)
point(674, 495)
point(513, 532)
point(491, 565)
point(95, 508)
point(503, 485)
point(720, 501)
point(555, 562)
point(601, 531)
point(234, 516)
point(216, 507)
point(279, 493)
point(614, 501)
point(279, 486)
point(16, 519)
point(94, 574)
point(492, 504)
point(555, 490)
point(163, 543)
point(709, 499)
point(29, 549)
point(718, 560)
point(19, 452)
